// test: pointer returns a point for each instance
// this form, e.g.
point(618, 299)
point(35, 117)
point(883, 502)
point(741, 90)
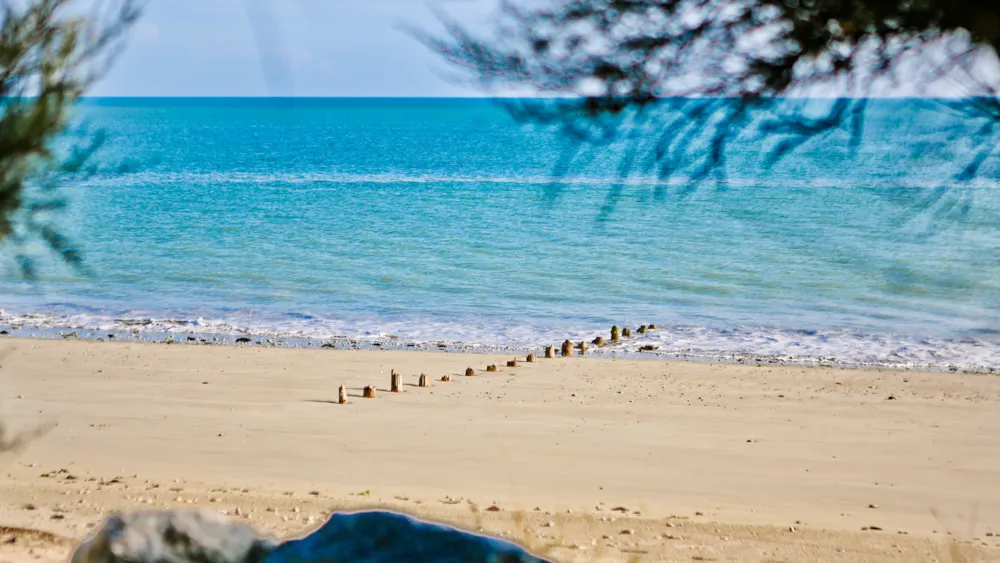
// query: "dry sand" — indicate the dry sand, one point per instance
point(703, 461)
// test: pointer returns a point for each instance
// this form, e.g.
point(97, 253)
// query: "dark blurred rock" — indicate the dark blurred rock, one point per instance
point(203, 536)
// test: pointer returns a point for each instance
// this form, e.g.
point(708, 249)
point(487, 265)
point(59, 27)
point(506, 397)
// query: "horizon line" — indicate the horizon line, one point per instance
point(420, 97)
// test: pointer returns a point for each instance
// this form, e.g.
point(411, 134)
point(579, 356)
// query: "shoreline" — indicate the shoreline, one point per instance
point(743, 449)
point(628, 348)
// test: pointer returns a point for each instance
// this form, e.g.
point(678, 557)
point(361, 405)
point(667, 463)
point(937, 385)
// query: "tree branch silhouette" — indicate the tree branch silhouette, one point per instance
point(697, 74)
point(49, 57)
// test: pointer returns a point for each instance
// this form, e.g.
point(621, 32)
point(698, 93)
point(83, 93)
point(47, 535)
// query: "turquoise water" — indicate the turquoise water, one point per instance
point(441, 221)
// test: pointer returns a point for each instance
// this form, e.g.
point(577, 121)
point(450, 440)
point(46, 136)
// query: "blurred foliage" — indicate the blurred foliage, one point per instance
point(657, 75)
point(50, 55)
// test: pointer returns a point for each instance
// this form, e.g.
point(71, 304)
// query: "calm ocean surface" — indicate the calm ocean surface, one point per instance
point(440, 221)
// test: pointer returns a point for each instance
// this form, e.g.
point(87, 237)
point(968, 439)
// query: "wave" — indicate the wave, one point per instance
point(291, 178)
point(845, 348)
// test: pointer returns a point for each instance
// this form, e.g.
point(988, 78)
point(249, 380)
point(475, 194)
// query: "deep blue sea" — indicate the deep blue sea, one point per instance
point(446, 221)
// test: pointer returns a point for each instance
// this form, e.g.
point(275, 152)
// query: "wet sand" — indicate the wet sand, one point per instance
point(700, 460)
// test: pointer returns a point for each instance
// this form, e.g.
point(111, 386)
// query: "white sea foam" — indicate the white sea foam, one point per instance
point(843, 347)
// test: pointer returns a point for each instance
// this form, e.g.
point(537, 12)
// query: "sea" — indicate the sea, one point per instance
point(455, 224)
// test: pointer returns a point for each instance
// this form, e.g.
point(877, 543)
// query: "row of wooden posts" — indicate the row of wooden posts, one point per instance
point(395, 382)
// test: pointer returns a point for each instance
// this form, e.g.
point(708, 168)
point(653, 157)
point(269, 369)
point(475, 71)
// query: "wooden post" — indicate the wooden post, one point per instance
point(550, 351)
point(616, 334)
point(394, 382)
point(491, 368)
point(567, 348)
point(512, 363)
point(342, 395)
point(369, 392)
point(651, 327)
point(531, 359)
point(469, 372)
point(583, 347)
point(599, 341)
point(445, 378)
point(423, 380)
point(642, 329)
point(627, 332)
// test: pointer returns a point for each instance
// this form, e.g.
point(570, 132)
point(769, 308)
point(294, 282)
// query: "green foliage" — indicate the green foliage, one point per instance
point(49, 57)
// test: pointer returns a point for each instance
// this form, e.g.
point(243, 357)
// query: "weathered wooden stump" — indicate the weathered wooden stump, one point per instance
point(469, 372)
point(423, 380)
point(642, 329)
point(627, 333)
point(531, 359)
point(512, 363)
point(369, 392)
point(616, 334)
point(567, 348)
point(651, 327)
point(394, 382)
point(342, 395)
point(550, 352)
point(582, 346)
point(492, 368)
point(599, 341)
point(445, 378)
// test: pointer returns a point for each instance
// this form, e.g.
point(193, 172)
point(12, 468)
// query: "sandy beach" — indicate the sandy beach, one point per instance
point(582, 459)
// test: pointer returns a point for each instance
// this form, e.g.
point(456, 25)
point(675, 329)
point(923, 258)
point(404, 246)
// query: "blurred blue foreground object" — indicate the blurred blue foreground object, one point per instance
point(202, 536)
point(381, 537)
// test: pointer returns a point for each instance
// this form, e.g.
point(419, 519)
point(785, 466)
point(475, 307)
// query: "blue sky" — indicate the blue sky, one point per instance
point(300, 48)
point(310, 48)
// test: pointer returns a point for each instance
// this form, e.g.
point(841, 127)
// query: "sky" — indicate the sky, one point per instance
point(296, 48)
point(314, 48)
